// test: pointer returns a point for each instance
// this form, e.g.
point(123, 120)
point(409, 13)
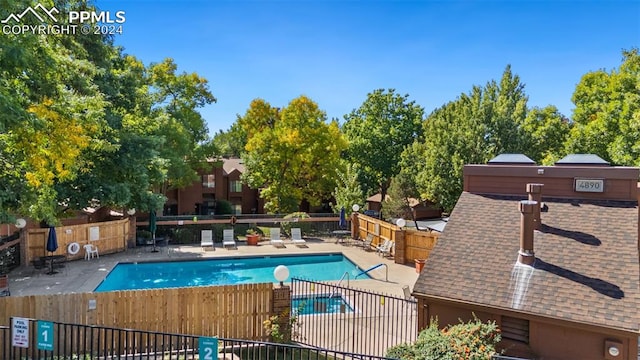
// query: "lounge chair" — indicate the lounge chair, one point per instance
point(228, 238)
point(296, 237)
point(274, 237)
point(206, 239)
point(385, 248)
point(366, 244)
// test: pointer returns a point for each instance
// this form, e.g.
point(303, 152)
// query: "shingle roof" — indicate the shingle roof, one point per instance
point(586, 267)
point(229, 165)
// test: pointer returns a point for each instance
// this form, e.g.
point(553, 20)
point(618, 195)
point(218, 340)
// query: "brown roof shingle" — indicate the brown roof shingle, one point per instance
point(586, 269)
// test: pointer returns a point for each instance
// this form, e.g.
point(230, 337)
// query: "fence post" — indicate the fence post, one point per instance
point(400, 246)
point(281, 307)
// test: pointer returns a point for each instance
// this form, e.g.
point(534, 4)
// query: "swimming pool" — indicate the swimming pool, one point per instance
point(226, 271)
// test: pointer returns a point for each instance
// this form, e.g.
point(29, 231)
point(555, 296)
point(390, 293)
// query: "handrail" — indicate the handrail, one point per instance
point(375, 267)
point(346, 274)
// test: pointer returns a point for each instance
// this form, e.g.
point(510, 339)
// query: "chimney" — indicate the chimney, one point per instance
point(535, 194)
point(526, 255)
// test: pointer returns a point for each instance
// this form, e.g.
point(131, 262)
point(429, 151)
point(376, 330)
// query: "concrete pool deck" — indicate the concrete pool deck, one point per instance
point(85, 275)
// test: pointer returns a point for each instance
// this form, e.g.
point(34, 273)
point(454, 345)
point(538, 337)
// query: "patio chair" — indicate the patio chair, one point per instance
point(274, 237)
point(228, 238)
point(206, 239)
point(385, 248)
point(91, 251)
point(366, 244)
point(296, 237)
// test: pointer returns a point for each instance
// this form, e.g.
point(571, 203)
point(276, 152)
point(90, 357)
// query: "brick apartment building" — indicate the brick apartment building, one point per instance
point(220, 183)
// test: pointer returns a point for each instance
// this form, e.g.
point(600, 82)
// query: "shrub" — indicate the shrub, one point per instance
point(471, 340)
point(223, 207)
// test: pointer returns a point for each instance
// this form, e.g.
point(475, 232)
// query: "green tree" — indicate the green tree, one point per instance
point(547, 131)
point(470, 130)
point(231, 143)
point(378, 132)
point(177, 98)
point(291, 154)
point(398, 204)
point(607, 113)
point(348, 191)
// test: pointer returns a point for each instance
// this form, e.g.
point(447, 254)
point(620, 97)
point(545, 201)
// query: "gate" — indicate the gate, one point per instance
point(351, 320)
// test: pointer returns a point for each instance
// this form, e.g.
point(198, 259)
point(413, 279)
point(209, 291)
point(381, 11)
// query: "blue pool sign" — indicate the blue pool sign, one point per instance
point(45, 335)
point(208, 348)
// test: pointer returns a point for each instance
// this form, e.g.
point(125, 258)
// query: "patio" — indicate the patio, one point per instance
point(80, 276)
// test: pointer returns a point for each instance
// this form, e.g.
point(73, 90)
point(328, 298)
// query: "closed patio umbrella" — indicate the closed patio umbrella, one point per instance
point(152, 228)
point(343, 219)
point(52, 246)
point(52, 240)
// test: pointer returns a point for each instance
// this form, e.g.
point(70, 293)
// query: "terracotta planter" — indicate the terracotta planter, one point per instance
point(252, 239)
point(419, 265)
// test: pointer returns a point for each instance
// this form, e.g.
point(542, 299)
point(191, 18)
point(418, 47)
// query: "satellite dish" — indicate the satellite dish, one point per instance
point(21, 223)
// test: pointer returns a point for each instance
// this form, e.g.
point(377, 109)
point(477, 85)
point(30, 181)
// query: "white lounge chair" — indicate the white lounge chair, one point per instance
point(206, 239)
point(385, 248)
point(227, 238)
point(274, 237)
point(296, 237)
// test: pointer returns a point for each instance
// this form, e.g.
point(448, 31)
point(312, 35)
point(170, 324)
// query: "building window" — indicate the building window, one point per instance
point(209, 181)
point(515, 329)
point(235, 186)
point(237, 209)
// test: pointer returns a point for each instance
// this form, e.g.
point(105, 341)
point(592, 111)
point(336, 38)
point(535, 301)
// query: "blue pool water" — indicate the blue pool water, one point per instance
point(320, 304)
point(226, 271)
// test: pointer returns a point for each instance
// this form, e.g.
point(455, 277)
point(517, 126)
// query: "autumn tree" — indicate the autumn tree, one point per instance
point(470, 130)
point(607, 113)
point(291, 154)
point(378, 132)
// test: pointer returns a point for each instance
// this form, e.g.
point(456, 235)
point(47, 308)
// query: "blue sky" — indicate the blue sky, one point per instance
point(336, 52)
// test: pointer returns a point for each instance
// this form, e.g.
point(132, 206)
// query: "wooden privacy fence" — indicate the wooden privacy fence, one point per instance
point(234, 311)
point(108, 236)
point(410, 244)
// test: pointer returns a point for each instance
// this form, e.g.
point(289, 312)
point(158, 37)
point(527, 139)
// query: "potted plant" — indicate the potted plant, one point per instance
point(252, 237)
point(419, 265)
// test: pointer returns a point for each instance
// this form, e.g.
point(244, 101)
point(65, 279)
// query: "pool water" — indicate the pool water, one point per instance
point(226, 271)
point(320, 304)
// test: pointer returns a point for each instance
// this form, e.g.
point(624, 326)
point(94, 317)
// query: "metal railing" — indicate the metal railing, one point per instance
point(353, 320)
point(75, 341)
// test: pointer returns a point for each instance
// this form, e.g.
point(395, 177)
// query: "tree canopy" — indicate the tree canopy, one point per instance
point(84, 124)
point(378, 132)
point(291, 154)
point(607, 113)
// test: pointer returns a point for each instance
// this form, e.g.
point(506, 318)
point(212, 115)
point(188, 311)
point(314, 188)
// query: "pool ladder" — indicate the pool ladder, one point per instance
point(345, 275)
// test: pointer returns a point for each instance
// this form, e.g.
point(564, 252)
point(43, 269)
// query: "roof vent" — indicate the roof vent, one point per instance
point(511, 159)
point(582, 160)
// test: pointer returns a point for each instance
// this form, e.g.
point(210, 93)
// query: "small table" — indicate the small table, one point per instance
point(53, 259)
point(341, 235)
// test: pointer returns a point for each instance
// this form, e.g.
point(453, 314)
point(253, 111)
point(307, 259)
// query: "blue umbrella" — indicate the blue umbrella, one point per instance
point(343, 219)
point(52, 240)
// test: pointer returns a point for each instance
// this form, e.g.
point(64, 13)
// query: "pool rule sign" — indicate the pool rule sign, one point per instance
point(20, 332)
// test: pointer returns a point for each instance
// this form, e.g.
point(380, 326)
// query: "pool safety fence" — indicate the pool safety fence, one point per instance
point(74, 341)
point(351, 320)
